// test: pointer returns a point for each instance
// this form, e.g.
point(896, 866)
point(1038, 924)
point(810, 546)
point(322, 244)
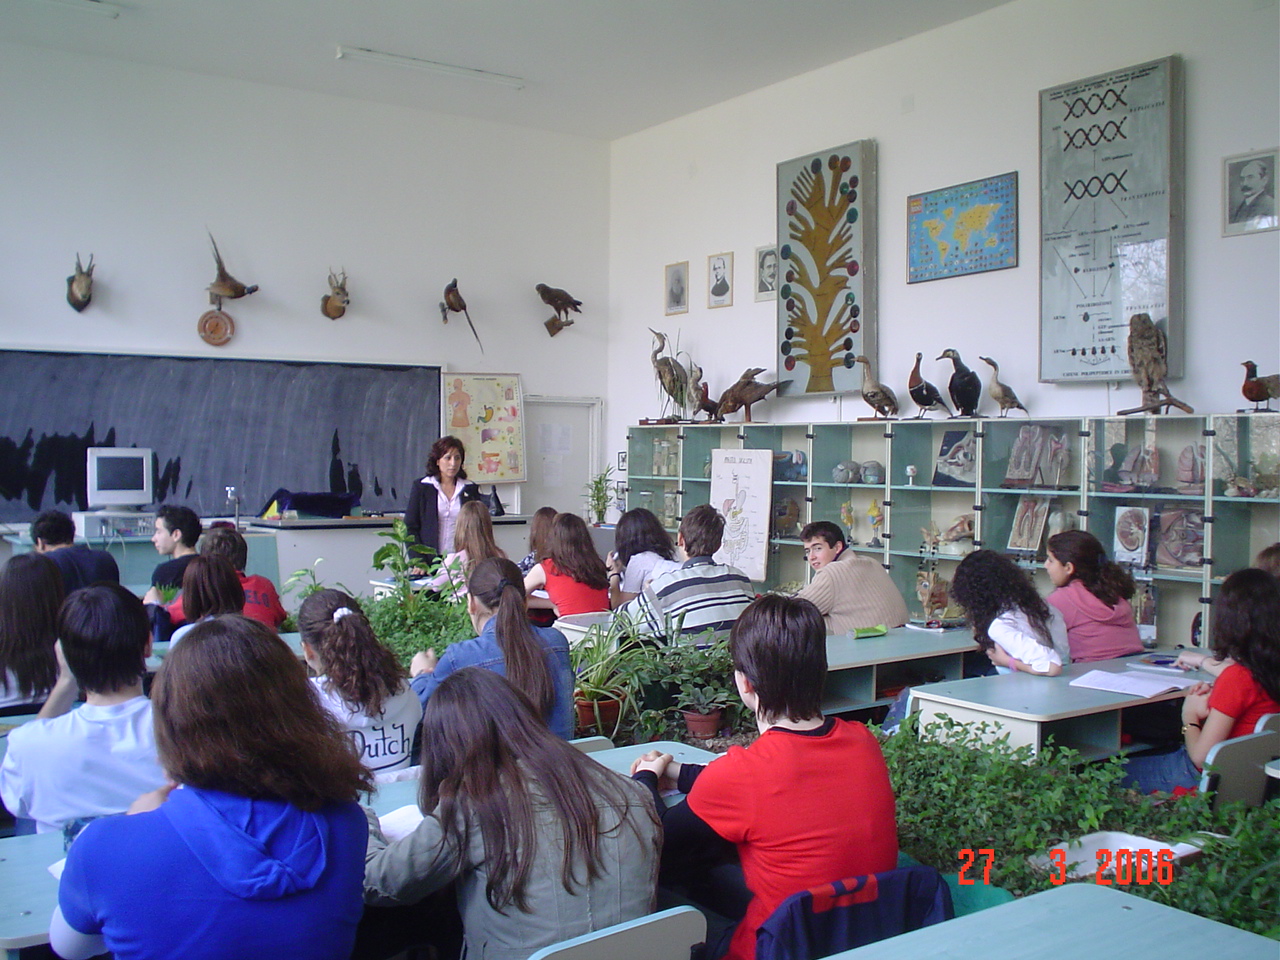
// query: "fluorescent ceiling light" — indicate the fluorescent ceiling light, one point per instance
point(431, 66)
point(89, 6)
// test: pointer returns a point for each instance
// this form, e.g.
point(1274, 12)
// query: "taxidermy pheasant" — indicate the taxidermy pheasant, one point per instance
point(965, 387)
point(453, 302)
point(334, 303)
point(882, 400)
point(561, 302)
point(1256, 389)
point(80, 285)
point(706, 405)
point(745, 392)
point(923, 393)
point(225, 286)
point(1002, 393)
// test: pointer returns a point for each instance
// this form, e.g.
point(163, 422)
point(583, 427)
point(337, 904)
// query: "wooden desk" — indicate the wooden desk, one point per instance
point(1079, 921)
point(859, 671)
point(1032, 709)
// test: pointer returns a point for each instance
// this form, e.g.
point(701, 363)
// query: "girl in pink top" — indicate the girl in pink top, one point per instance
point(1093, 595)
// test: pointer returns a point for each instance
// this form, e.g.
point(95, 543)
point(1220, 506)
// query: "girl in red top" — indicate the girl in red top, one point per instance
point(1246, 628)
point(569, 569)
point(1093, 596)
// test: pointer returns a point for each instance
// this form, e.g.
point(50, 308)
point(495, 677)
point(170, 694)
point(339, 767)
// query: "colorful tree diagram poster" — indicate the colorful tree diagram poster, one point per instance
point(827, 248)
point(969, 228)
point(741, 484)
point(486, 412)
point(1111, 214)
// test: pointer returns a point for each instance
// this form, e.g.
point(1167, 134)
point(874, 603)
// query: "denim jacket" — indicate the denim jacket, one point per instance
point(484, 651)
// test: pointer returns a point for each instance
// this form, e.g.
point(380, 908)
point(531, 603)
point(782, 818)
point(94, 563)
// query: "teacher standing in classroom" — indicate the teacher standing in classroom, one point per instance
point(437, 497)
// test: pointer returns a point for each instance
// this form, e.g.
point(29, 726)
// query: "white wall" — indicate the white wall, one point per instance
point(952, 105)
point(132, 162)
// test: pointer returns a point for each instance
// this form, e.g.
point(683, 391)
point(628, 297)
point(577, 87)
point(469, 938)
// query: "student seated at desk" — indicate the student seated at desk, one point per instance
point(210, 588)
point(642, 551)
point(1093, 597)
point(539, 527)
point(261, 601)
point(1010, 620)
point(359, 680)
point(1246, 629)
point(472, 542)
point(535, 659)
point(850, 591)
point(543, 842)
point(259, 850)
point(177, 532)
point(30, 595)
point(570, 570)
point(93, 761)
point(808, 803)
point(54, 535)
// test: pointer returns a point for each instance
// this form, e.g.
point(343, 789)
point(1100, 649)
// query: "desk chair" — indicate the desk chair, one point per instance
point(668, 935)
point(851, 913)
point(591, 744)
point(1268, 721)
point(1233, 768)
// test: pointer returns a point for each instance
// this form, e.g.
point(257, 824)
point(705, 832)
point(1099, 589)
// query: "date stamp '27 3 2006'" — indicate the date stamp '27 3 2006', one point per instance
point(1120, 867)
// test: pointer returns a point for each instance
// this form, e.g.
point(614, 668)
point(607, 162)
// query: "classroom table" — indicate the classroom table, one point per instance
point(1031, 709)
point(860, 671)
point(160, 650)
point(28, 892)
point(1077, 921)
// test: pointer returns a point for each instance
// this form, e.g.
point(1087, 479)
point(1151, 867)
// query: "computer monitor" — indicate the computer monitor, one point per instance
point(119, 477)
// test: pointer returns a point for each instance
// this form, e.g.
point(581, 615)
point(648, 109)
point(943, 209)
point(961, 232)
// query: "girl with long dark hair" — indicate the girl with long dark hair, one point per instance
point(210, 588)
point(570, 570)
point(1246, 634)
point(1010, 620)
point(1093, 597)
point(543, 842)
point(359, 680)
point(539, 527)
point(642, 550)
point(534, 659)
point(260, 852)
point(30, 595)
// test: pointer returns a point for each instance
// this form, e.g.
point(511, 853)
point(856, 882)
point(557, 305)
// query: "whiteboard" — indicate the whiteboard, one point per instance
point(562, 442)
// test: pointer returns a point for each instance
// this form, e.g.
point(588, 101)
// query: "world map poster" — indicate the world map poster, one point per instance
point(969, 228)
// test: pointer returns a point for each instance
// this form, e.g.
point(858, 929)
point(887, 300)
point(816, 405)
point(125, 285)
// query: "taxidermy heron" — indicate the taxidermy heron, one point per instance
point(672, 376)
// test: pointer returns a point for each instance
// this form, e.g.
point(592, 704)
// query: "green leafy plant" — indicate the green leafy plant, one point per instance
point(306, 581)
point(404, 557)
point(610, 663)
point(408, 628)
point(597, 493)
point(700, 698)
point(651, 725)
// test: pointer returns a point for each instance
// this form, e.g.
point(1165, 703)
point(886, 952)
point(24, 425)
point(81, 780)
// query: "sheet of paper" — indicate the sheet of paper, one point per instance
point(1132, 683)
point(401, 822)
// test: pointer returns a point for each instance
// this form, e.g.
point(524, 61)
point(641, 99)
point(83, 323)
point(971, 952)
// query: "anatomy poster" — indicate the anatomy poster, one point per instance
point(741, 481)
point(486, 412)
point(1110, 219)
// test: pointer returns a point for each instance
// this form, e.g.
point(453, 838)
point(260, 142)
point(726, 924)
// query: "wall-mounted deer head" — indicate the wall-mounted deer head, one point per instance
point(334, 303)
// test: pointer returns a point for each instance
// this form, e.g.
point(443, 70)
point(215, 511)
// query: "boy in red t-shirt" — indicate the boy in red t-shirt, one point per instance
point(810, 801)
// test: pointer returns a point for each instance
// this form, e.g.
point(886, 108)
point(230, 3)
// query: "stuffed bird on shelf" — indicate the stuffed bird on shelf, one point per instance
point(1149, 363)
point(879, 397)
point(923, 393)
point(965, 387)
point(1256, 389)
point(745, 392)
point(1002, 393)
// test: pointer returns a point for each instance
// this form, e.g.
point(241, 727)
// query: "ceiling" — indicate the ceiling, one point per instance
point(598, 68)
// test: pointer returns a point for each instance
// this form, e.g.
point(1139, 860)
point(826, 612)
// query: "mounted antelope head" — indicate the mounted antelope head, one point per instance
point(334, 303)
point(80, 285)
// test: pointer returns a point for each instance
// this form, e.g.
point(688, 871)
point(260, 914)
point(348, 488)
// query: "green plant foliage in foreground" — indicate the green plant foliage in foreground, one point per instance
point(956, 792)
point(408, 628)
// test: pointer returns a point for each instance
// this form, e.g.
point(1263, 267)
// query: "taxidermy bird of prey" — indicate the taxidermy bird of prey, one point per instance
point(965, 387)
point(1002, 393)
point(225, 286)
point(1149, 363)
point(1256, 389)
point(745, 392)
point(453, 302)
point(561, 302)
point(80, 285)
point(923, 393)
point(880, 398)
point(672, 376)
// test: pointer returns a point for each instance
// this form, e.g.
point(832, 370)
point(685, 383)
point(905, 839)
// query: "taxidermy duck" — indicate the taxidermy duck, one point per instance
point(334, 304)
point(1002, 393)
point(225, 286)
point(923, 393)
point(882, 400)
point(561, 302)
point(965, 387)
point(672, 377)
point(745, 392)
point(453, 302)
point(1256, 389)
point(80, 285)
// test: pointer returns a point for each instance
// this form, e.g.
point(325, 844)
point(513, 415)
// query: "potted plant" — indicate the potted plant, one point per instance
point(597, 494)
point(608, 665)
point(702, 706)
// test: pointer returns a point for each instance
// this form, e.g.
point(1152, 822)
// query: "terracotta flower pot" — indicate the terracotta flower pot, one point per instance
point(704, 726)
point(599, 714)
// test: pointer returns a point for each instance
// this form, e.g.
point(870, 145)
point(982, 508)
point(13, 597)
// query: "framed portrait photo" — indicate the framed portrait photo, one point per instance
point(720, 280)
point(1249, 193)
point(766, 273)
point(675, 286)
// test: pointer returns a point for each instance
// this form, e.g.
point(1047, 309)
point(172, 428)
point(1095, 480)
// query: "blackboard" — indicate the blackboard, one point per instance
point(254, 424)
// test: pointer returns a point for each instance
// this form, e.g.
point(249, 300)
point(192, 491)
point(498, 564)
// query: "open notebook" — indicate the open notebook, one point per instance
point(1137, 683)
